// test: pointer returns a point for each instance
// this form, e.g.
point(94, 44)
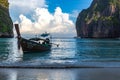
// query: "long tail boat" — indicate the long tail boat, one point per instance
point(34, 44)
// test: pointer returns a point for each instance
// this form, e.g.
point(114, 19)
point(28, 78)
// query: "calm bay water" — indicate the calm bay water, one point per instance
point(100, 52)
point(69, 51)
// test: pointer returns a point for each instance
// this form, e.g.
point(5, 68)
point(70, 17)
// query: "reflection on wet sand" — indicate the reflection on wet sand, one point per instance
point(61, 74)
point(35, 74)
point(8, 74)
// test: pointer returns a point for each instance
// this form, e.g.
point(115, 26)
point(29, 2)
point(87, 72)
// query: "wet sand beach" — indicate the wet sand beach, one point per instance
point(60, 74)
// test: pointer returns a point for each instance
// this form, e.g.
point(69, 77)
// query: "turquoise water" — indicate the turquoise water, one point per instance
point(69, 51)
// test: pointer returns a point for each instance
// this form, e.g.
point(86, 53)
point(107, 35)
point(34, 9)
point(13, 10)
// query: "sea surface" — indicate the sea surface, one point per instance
point(89, 59)
point(70, 50)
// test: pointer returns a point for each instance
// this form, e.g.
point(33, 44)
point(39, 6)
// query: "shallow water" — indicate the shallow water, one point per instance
point(69, 51)
point(91, 55)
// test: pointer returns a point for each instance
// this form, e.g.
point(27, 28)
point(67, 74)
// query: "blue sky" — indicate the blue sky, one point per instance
point(68, 5)
point(54, 16)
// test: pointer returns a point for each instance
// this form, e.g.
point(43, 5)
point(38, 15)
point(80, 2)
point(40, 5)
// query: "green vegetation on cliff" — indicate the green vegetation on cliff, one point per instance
point(6, 24)
point(98, 7)
point(4, 3)
point(115, 2)
point(100, 20)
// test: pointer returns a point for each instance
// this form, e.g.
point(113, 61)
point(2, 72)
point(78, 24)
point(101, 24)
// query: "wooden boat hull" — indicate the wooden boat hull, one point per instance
point(31, 46)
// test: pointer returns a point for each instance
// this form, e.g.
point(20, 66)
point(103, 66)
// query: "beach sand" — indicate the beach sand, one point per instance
point(60, 74)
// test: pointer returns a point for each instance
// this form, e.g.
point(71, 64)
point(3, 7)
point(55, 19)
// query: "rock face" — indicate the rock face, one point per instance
point(6, 24)
point(100, 20)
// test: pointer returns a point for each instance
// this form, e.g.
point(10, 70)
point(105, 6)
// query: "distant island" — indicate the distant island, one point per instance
point(100, 20)
point(6, 24)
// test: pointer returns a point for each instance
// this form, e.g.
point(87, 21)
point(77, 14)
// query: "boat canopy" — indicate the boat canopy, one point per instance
point(45, 34)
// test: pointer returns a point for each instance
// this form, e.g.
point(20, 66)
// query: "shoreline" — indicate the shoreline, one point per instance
point(63, 66)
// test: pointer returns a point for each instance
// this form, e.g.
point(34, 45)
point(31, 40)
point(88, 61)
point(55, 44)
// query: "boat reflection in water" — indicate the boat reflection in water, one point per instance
point(33, 56)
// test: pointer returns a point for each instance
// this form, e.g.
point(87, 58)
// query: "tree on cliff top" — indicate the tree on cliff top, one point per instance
point(4, 3)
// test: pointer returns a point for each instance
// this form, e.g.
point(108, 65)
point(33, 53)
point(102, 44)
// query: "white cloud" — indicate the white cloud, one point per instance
point(25, 7)
point(57, 23)
point(35, 18)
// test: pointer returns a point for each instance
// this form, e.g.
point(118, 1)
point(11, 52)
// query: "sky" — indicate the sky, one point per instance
point(54, 16)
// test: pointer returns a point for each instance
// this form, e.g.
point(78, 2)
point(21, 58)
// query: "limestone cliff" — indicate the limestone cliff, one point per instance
point(6, 25)
point(100, 20)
